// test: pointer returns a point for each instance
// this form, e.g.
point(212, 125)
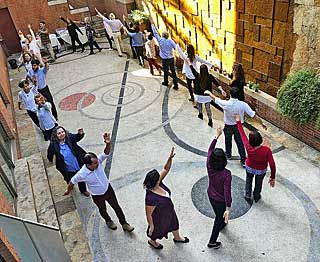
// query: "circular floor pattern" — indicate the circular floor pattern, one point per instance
point(201, 202)
point(70, 102)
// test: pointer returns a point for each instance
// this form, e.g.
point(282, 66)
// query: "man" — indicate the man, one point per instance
point(45, 40)
point(166, 46)
point(230, 108)
point(40, 75)
point(116, 26)
point(92, 173)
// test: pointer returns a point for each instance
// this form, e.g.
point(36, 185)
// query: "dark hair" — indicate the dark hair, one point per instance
point(42, 22)
point(204, 76)
point(130, 24)
point(218, 159)
point(26, 53)
point(87, 160)
point(136, 28)
point(35, 62)
point(150, 37)
point(255, 138)
point(234, 92)
point(54, 133)
point(151, 179)
point(238, 74)
point(23, 82)
point(191, 52)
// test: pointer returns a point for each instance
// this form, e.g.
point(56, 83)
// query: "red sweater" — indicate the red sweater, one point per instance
point(258, 158)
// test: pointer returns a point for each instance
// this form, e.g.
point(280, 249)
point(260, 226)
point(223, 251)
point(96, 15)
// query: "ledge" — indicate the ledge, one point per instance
point(57, 2)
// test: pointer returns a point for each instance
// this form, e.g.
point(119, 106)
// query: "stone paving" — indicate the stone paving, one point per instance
point(106, 93)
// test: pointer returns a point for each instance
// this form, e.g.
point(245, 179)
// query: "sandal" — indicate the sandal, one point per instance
point(186, 240)
point(155, 247)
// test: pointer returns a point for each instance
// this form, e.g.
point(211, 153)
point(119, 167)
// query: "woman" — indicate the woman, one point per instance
point(72, 27)
point(25, 61)
point(238, 79)
point(69, 155)
point(258, 158)
point(91, 35)
point(160, 212)
point(219, 189)
point(191, 57)
point(151, 54)
point(32, 41)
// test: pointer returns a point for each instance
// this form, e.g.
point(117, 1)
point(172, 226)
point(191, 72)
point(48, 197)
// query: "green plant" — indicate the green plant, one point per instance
point(137, 15)
point(256, 87)
point(299, 97)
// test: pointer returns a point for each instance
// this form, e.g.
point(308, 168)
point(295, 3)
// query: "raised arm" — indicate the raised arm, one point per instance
point(78, 136)
point(199, 59)
point(32, 33)
point(167, 165)
point(214, 142)
point(77, 27)
point(181, 53)
point(107, 140)
point(101, 15)
point(243, 135)
point(64, 20)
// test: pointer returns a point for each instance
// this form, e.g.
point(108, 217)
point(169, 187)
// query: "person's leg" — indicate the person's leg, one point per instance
point(219, 209)
point(228, 131)
point(101, 204)
point(154, 62)
point(240, 145)
point(258, 187)
point(47, 94)
point(134, 54)
point(120, 41)
point(177, 236)
point(79, 42)
point(199, 106)
point(113, 202)
point(173, 73)
point(50, 51)
point(150, 65)
point(73, 42)
point(109, 38)
point(209, 113)
point(189, 86)
point(33, 117)
point(116, 41)
point(97, 46)
point(249, 178)
point(165, 66)
point(139, 50)
point(91, 47)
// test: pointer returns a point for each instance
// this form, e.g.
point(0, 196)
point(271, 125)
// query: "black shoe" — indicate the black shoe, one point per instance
point(82, 50)
point(186, 240)
point(165, 84)
point(248, 199)
point(91, 53)
point(120, 55)
point(215, 245)
point(100, 49)
point(175, 87)
point(210, 123)
point(156, 247)
point(257, 198)
point(243, 164)
point(200, 116)
point(191, 99)
point(229, 157)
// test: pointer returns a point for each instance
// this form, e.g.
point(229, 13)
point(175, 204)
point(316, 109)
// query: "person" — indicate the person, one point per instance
point(26, 61)
point(23, 40)
point(108, 32)
point(34, 45)
point(130, 28)
point(116, 27)
point(230, 107)
point(204, 82)
point(45, 40)
point(194, 59)
point(166, 46)
point(238, 79)
point(43, 88)
point(26, 97)
point(93, 174)
point(219, 189)
point(151, 54)
point(137, 43)
point(69, 155)
point(47, 122)
point(72, 30)
point(257, 161)
point(160, 212)
point(91, 35)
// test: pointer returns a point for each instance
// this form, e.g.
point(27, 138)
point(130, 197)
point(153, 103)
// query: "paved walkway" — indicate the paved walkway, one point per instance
point(106, 93)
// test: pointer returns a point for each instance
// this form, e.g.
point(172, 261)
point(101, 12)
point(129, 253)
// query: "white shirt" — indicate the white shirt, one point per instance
point(115, 24)
point(232, 106)
point(96, 180)
point(28, 99)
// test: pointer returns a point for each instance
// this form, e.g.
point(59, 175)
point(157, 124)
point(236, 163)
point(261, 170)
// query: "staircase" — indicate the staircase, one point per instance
point(98, 25)
point(78, 6)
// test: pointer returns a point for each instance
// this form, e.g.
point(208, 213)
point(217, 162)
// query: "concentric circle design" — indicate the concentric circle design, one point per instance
point(201, 201)
point(70, 102)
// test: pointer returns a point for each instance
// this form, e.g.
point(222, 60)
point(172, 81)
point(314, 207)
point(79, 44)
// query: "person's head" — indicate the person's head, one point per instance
point(136, 28)
point(29, 38)
point(152, 179)
point(39, 99)
point(112, 16)
point(24, 85)
point(150, 37)
point(26, 57)
point(190, 52)
point(35, 64)
point(165, 34)
point(59, 133)
point(42, 24)
point(130, 24)
point(255, 138)
point(237, 72)
point(218, 159)
point(91, 161)
point(87, 20)
point(234, 92)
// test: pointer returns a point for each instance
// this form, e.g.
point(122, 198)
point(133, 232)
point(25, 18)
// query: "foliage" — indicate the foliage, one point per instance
point(299, 97)
point(137, 15)
point(254, 86)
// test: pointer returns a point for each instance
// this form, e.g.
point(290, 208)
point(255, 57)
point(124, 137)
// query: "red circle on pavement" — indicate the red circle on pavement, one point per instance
point(70, 103)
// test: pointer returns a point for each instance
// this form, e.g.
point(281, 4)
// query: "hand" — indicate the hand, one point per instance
point(151, 229)
point(237, 117)
point(207, 92)
point(272, 182)
point(45, 60)
point(80, 131)
point(66, 193)
point(218, 131)
point(29, 26)
point(107, 138)
point(172, 153)
point(19, 70)
point(124, 17)
point(226, 216)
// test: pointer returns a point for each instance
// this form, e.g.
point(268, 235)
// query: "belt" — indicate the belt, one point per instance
point(115, 31)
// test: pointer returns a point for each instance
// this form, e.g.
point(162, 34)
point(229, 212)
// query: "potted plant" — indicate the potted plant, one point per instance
point(141, 18)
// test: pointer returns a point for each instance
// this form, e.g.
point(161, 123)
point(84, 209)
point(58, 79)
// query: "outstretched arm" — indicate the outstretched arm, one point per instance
point(167, 165)
point(100, 15)
point(107, 140)
point(32, 33)
point(77, 28)
point(181, 53)
point(64, 20)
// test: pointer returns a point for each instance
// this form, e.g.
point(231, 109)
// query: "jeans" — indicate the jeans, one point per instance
point(219, 208)
point(189, 86)
point(47, 94)
point(34, 117)
point(169, 64)
point(93, 43)
point(230, 130)
point(111, 198)
point(258, 180)
point(82, 185)
point(139, 53)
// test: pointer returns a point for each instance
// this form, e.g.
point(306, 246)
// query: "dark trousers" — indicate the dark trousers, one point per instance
point(93, 43)
point(47, 133)
point(75, 39)
point(152, 62)
point(33, 117)
point(219, 208)
point(111, 198)
point(47, 94)
point(109, 38)
point(189, 86)
point(139, 53)
point(82, 185)
point(169, 64)
point(134, 54)
point(230, 130)
point(258, 180)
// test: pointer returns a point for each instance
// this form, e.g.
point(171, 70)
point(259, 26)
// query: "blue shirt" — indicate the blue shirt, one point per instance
point(166, 45)
point(40, 75)
point(46, 119)
point(137, 38)
point(69, 159)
